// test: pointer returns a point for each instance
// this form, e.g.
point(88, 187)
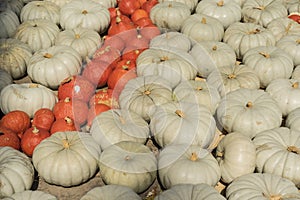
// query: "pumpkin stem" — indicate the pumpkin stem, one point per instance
point(118, 19)
point(276, 197)
point(33, 85)
point(295, 85)
point(298, 41)
point(219, 154)
point(147, 92)
point(77, 36)
point(48, 55)
point(199, 79)
point(203, 21)
point(127, 157)
point(84, 12)
point(220, 3)
point(179, 113)
point(199, 88)
point(35, 130)
point(170, 5)
point(68, 120)
point(259, 7)
point(249, 104)
point(214, 48)
point(66, 143)
point(254, 31)
point(293, 149)
point(194, 157)
point(67, 99)
point(264, 54)
point(164, 58)
point(231, 76)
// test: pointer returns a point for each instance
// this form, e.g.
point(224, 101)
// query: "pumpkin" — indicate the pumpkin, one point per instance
point(244, 36)
point(17, 121)
point(275, 149)
point(50, 66)
point(5, 79)
point(63, 124)
point(120, 25)
point(105, 96)
point(210, 55)
point(187, 164)
point(269, 63)
point(286, 93)
point(182, 123)
point(139, 14)
point(141, 94)
point(117, 125)
point(32, 194)
point(290, 44)
point(127, 7)
point(230, 78)
point(169, 15)
point(9, 22)
point(227, 12)
point(84, 14)
point(201, 27)
point(133, 165)
point(17, 172)
point(14, 57)
point(83, 40)
point(261, 186)
point(296, 73)
point(170, 63)
point(51, 158)
point(94, 111)
point(292, 6)
point(9, 138)
point(248, 111)
point(40, 9)
point(14, 5)
point(262, 12)
point(172, 39)
point(236, 155)
point(199, 191)
point(60, 3)
point(197, 92)
point(37, 33)
point(283, 26)
point(43, 118)
point(292, 119)
point(27, 97)
point(111, 192)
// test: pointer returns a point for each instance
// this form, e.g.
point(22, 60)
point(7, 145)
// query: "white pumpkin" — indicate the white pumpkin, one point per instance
point(248, 111)
point(85, 41)
point(283, 26)
point(27, 97)
point(286, 92)
point(37, 33)
point(5, 79)
point(190, 3)
point(227, 12)
point(201, 27)
point(50, 66)
point(14, 5)
point(296, 73)
point(210, 55)
point(236, 156)
point(186, 164)
point(277, 152)
point(14, 57)
point(244, 36)
point(17, 172)
point(33, 195)
point(230, 78)
point(40, 10)
point(290, 44)
point(9, 22)
point(269, 63)
point(84, 14)
point(293, 119)
point(129, 164)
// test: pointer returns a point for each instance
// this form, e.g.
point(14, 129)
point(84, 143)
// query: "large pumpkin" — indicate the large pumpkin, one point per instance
point(9, 22)
point(59, 158)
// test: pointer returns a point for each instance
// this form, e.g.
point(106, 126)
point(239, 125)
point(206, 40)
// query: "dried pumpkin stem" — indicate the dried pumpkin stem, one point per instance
point(68, 120)
point(33, 85)
point(254, 31)
point(127, 157)
point(194, 157)
point(276, 197)
point(48, 55)
point(219, 154)
point(220, 3)
point(214, 48)
point(203, 21)
point(77, 36)
point(264, 54)
point(293, 149)
point(67, 99)
point(66, 143)
point(249, 104)
point(179, 113)
point(259, 7)
point(298, 41)
point(199, 88)
point(84, 12)
point(231, 76)
point(295, 85)
point(147, 92)
point(35, 130)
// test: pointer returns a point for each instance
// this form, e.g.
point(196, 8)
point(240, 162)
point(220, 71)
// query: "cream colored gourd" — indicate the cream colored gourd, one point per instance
point(84, 14)
point(290, 44)
point(5, 79)
point(201, 27)
point(187, 164)
point(227, 12)
point(129, 164)
point(210, 55)
point(63, 154)
point(182, 123)
point(244, 36)
point(293, 119)
point(262, 186)
point(286, 92)
point(37, 33)
point(200, 191)
point(50, 66)
point(9, 22)
point(230, 78)
point(27, 97)
point(14, 57)
point(262, 12)
point(116, 125)
point(17, 172)
point(172, 64)
point(111, 192)
point(14, 5)
point(283, 26)
point(85, 41)
point(248, 111)
point(60, 3)
point(169, 15)
point(192, 4)
point(236, 156)
point(198, 91)
point(277, 152)
point(33, 195)
point(269, 63)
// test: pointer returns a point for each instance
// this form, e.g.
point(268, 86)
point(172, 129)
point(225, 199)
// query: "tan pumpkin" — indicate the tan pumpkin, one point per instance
point(9, 22)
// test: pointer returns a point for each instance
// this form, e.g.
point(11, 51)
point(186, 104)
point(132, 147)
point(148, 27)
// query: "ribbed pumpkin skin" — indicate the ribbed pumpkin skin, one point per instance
point(5, 79)
point(200, 191)
point(290, 44)
point(111, 192)
point(293, 119)
point(67, 158)
point(9, 23)
point(33, 195)
point(17, 172)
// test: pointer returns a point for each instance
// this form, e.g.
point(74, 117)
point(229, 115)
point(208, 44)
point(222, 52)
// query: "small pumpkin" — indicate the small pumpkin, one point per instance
point(43, 118)
point(9, 138)
point(9, 21)
point(63, 124)
point(127, 7)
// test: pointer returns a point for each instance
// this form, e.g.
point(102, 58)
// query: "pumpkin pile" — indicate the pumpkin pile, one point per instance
point(158, 99)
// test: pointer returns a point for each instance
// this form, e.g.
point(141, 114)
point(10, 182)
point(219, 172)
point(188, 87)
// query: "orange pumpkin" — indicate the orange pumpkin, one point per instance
point(9, 138)
point(63, 124)
point(43, 118)
point(96, 110)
